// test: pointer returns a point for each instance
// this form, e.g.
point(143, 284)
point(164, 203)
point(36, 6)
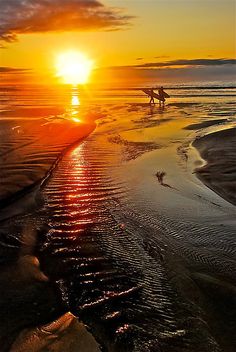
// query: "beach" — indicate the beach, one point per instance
point(219, 172)
point(118, 218)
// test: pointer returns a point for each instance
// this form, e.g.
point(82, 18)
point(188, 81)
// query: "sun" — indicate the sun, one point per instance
point(73, 67)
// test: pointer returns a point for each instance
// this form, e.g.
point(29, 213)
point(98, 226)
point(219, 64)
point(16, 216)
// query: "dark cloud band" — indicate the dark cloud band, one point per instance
point(194, 62)
point(8, 70)
point(180, 63)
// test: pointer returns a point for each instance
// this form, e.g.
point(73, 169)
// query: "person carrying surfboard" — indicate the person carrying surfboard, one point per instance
point(151, 96)
point(162, 95)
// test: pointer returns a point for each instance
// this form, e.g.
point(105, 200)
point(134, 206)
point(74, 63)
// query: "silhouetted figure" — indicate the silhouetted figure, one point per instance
point(161, 94)
point(151, 97)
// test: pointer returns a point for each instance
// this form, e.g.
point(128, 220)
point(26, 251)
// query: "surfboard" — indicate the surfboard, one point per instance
point(153, 94)
point(166, 95)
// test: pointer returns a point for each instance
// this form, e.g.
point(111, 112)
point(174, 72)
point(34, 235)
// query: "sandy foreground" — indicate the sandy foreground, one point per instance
point(160, 275)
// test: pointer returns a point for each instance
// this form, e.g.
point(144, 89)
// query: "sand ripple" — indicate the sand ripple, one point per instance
point(133, 274)
point(148, 268)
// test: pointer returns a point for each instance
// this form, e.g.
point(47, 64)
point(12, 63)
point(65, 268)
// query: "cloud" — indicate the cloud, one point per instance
point(182, 70)
point(194, 62)
point(180, 63)
point(13, 70)
point(32, 16)
point(161, 57)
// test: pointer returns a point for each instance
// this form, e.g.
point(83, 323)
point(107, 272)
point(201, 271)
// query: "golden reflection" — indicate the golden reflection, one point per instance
point(76, 119)
point(75, 99)
point(75, 104)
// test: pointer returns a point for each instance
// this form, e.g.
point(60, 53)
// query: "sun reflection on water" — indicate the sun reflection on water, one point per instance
point(75, 99)
point(75, 104)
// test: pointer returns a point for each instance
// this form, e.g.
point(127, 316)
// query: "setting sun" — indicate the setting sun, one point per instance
point(73, 67)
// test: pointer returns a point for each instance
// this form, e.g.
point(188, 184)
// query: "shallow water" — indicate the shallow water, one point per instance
point(148, 263)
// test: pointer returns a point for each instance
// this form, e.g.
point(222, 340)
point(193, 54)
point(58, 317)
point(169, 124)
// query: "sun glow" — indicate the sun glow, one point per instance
point(73, 67)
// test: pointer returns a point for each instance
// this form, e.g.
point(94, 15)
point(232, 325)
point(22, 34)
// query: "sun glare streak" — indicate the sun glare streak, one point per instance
point(73, 67)
point(75, 100)
point(75, 104)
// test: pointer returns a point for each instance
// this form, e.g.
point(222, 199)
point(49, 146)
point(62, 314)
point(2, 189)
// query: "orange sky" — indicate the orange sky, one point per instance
point(150, 31)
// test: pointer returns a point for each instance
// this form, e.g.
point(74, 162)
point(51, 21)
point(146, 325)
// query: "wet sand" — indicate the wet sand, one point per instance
point(30, 147)
point(147, 265)
point(219, 174)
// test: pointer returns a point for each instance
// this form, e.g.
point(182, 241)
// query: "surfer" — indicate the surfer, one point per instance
point(162, 95)
point(151, 96)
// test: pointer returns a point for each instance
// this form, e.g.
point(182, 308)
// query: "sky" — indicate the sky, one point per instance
point(129, 41)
